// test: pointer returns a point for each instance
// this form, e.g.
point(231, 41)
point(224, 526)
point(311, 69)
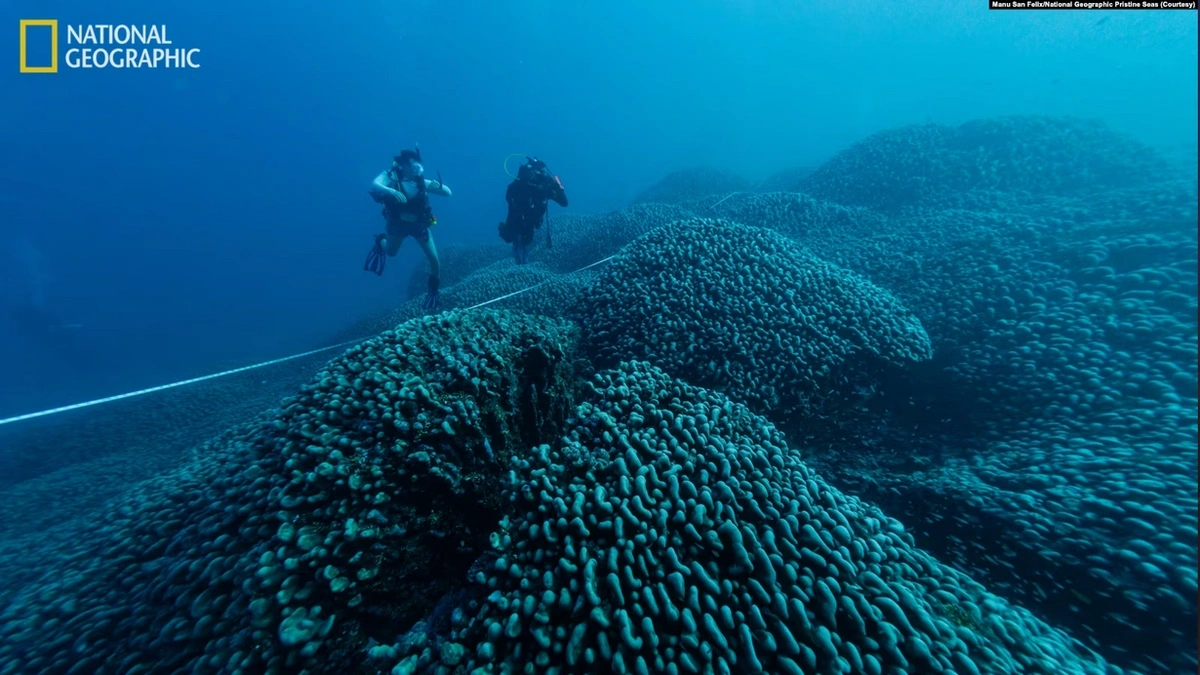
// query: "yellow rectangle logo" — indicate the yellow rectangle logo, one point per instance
point(53, 25)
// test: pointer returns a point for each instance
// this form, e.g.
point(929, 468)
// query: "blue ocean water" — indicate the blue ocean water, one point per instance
point(231, 197)
point(932, 264)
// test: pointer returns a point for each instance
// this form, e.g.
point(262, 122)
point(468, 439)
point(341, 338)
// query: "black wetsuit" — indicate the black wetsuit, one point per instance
point(527, 204)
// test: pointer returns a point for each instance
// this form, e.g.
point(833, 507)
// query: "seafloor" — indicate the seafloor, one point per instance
point(930, 407)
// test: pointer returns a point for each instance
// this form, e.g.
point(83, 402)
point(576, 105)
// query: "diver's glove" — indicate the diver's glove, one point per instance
point(520, 251)
point(376, 258)
point(431, 298)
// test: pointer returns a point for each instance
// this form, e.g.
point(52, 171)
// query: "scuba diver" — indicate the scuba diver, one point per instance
point(404, 193)
point(527, 198)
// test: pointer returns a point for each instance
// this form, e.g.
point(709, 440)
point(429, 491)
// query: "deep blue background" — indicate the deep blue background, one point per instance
point(194, 220)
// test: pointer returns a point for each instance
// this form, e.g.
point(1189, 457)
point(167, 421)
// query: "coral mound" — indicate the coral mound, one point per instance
point(743, 309)
point(642, 524)
point(673, 531)
point(914, 165)
point(344, 519)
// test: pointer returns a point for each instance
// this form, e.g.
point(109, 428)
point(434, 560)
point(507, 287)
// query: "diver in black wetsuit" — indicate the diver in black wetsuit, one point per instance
point(528, 198)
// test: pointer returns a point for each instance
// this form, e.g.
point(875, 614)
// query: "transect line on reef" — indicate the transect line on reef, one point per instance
point(151, 390)
point(753, 189)
point(540, 283)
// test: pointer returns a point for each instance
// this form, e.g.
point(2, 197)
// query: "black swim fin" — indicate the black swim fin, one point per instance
point(377, 257)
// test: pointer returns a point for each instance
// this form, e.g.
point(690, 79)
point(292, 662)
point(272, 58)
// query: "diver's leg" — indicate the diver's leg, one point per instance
point(435, 269)
point(431, 254)
point(526, 242)
point(395, 237)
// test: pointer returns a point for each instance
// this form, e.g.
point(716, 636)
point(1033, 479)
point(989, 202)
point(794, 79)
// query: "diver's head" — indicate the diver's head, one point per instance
point(408, 163)
point(408, 170)
point(533, 170)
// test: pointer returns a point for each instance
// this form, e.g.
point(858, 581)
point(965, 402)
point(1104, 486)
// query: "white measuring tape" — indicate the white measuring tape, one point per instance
point(540, 283)
point(753, 189)
point(151, 390)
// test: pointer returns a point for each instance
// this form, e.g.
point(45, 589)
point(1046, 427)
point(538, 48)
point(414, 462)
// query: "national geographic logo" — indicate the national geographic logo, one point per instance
point(101, 46)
